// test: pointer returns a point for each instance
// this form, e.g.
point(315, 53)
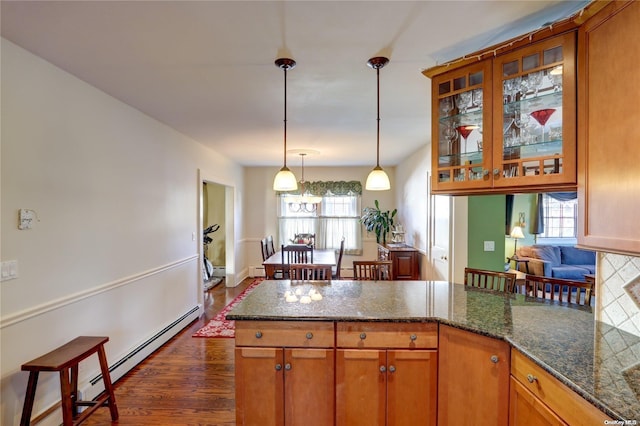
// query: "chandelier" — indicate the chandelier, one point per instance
point(305, 202)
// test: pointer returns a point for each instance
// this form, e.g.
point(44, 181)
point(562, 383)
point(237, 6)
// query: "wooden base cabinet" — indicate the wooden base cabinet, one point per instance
point(406, 261)
point(284, 385)
point(537, 398)
point(385, 374)
point(473, 379)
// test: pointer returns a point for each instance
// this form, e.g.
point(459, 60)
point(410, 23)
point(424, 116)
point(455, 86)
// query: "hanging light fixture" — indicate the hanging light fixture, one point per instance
point(378, 179)
point(285, 179)
point(306, 202)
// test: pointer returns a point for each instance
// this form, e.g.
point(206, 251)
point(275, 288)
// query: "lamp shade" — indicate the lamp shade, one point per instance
point(285, 180)
point(377, 180)
point(516, 232)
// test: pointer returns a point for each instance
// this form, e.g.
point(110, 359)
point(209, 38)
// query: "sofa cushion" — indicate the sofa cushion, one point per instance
point(569, 272)
point(590, 268)
point(575, 256)
point(549, 253)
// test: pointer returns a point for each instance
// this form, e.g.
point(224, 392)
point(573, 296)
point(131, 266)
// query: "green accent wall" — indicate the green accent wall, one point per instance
point(486, 223)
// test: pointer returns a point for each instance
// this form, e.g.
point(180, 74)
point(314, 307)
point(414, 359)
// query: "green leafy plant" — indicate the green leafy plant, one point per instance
point(378, 221)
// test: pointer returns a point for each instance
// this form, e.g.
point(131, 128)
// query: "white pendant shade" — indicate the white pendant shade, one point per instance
point(377, 180)
point(285, 180)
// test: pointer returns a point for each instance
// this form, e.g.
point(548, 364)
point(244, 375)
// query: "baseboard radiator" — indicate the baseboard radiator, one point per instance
point(138, 354)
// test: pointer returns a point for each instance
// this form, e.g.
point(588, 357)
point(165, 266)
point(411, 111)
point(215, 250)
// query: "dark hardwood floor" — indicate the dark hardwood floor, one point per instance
point(188, 381)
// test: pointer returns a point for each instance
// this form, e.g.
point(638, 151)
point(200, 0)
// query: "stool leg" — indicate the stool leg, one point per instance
point(74, 390)
point(65, 390)
point(29, 397)
point(108, 387)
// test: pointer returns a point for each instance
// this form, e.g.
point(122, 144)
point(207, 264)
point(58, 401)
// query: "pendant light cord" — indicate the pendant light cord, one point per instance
point(285, 115)
point(378, 137)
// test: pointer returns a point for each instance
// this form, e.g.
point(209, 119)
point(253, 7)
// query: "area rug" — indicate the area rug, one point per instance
point(218, 326)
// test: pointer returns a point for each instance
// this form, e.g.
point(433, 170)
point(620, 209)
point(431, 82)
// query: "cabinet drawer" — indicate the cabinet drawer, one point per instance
point(567, 404)
point(387, 335)
point(303, 334)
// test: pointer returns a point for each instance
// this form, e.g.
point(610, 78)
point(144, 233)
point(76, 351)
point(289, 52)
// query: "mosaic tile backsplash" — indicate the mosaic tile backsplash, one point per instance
point(617, 291)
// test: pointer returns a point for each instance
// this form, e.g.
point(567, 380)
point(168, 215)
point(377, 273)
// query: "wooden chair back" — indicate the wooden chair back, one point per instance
point(336, 273)
point(567, 291)
point(308, 272)
point(490, 280)
point(271, 249)
point(373, 270)
point(264, 247)
point(297, 253)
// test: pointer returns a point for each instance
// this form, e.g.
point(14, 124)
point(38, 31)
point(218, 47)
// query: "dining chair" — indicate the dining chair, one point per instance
point(336, 272)
point(296, 253)
point(264, 247)
point(373, 270)
point(271, 249)
point(308, 272)
point(490, 280)
point(567, 291)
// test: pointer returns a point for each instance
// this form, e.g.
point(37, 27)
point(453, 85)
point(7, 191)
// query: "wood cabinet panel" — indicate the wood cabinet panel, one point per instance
point(300, 334)
point(527, 410)
point(406, 261)
point(608, 131)
point(365, 335)
point(567, 404)
point(473, 379)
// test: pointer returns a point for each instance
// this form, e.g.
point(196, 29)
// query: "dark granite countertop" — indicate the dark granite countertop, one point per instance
point(599, 362)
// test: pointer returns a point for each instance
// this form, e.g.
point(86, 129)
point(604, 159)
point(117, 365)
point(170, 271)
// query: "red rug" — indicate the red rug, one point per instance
point(218, 326)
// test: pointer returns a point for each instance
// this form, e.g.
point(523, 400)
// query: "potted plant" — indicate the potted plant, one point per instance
point(378, 221)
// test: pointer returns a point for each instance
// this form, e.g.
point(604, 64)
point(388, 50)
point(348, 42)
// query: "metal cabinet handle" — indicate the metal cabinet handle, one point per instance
point(258, 334)
point(287, 366)
point(278, 367)
point(531, 378)
point(363, 336)
point(392, 369)
point(494, 359)
point(383, 368)
point(309, 335)
point(485, 172)
point(496, 172)
point(413, 337)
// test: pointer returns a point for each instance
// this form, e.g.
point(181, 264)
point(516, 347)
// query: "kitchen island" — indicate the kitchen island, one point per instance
point(598, 362)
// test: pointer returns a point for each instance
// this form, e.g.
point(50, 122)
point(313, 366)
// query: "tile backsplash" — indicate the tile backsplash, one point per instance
point(616, 292)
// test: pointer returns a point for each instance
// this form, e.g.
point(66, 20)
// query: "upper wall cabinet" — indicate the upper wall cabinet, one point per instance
point(507, 123)
point(608, 130)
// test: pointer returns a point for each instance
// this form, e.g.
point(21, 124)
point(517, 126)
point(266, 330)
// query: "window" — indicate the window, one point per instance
point(560, 220)
point(336, 216)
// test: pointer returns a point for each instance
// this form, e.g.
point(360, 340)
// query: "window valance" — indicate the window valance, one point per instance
point(329, 188)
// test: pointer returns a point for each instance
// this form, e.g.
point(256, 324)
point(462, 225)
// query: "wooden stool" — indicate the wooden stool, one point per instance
point(64, 359)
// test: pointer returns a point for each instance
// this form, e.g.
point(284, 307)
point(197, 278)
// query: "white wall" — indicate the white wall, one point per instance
point(262, 221)
point(114, 251)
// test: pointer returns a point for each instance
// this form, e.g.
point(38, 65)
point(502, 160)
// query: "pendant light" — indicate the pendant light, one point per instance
point(378, 179)
point(285, 179)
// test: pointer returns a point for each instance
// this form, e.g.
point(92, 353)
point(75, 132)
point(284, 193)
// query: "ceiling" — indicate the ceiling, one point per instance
point(206, 68)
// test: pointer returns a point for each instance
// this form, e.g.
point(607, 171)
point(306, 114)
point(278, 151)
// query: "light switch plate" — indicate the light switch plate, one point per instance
point(9, 270)
point(489, 246)
point(25, 218)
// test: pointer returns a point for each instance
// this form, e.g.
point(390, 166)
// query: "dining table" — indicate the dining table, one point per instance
point(323, 257)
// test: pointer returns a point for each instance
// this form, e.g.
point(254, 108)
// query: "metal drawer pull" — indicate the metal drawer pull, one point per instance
point(278, 367)
point(494, 359)
point(363, 336)
point(383, 368)
point(392, 369)
point(287, 366)
point(309, 335)
point(258, 334)
point(413, 337)
point(531, 378)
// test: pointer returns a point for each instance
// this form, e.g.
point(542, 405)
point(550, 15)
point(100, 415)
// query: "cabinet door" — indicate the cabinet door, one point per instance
point(411, 387)
point(473, 379)
point(360, 387)
point(535, 117)
point(527, 410)
point(608, 131)
point(259, 386)
point(405, 265)
point(309, 387)
point(461, 128)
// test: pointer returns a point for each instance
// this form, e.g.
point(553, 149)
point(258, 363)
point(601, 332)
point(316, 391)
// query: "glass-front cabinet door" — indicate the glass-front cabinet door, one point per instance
point(535, 115)
point(461, 128)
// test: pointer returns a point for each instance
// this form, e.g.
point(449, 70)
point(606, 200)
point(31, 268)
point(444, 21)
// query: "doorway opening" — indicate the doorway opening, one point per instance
point(213, 234)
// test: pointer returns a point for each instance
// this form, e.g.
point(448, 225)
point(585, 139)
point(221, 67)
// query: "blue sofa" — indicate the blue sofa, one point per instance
point(565, 262)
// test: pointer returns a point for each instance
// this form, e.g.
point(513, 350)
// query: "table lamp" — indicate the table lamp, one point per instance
point(516, 233)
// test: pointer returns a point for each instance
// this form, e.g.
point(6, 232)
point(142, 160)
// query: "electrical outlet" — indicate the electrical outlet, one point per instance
point(9, 270)
point(489, 246)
